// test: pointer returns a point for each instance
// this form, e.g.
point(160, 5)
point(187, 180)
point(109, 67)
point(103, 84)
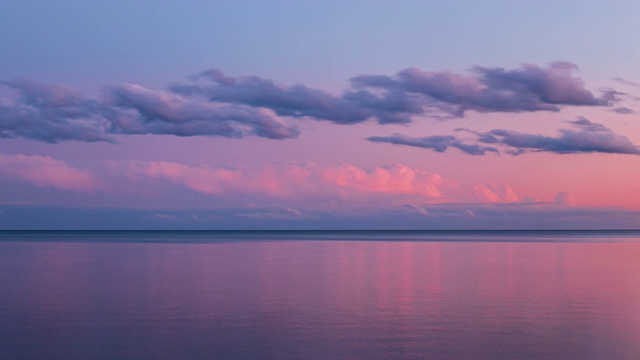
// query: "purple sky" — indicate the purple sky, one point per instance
point(275, 115)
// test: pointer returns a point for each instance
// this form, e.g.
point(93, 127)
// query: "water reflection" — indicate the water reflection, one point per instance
point(318, 299)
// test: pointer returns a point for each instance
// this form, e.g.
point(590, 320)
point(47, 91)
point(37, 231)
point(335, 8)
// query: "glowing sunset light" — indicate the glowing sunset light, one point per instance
point(279, 114)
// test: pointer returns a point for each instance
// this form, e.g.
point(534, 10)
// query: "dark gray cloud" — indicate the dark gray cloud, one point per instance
point(301, 101)
point(51, 113)
point(586, 137)
point(213, 104)
point(529, 88)
point(411, 92)
point(437, 143)
point(144, 111)
point(623, 110)
point(54, 113)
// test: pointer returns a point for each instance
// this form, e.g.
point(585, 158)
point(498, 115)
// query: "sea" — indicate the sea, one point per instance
point(320, 295)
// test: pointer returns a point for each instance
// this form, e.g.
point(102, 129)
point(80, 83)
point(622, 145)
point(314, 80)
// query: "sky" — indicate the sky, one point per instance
point(319, 114)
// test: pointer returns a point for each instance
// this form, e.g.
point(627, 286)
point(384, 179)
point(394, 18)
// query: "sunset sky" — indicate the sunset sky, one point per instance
point(319, 114)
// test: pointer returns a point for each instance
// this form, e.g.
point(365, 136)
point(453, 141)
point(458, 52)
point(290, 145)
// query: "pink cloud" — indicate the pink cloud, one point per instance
point(394, 179)
point(294, 180)
point(44, 171)
point(299, 185)
point(494, 193)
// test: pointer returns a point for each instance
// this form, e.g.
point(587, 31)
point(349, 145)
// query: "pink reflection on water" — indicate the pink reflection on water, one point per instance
point(325, 299)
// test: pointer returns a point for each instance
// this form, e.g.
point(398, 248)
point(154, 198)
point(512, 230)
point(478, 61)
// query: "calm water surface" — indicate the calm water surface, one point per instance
point(319, 299)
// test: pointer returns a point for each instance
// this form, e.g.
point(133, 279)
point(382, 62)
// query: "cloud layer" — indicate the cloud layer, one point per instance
point(588, 137)
point(289, 180)
point(442, 216)
point(437, 143)
point(213, 104)
point(44, 171)
point(585, 137)
point(308, 185)
point(289, 195)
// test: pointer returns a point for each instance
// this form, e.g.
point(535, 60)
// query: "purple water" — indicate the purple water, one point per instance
point(312, 299)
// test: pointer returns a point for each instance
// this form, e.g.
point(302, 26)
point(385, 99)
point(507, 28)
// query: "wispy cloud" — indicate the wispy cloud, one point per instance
point(623, 110)
point(44, 171)
point(519, 215)
point(439, 143)
point(585, 137)
point(626, 82)
point(451, 216)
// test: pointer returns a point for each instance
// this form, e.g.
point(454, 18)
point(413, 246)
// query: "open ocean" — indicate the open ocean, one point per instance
point(320, 295)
